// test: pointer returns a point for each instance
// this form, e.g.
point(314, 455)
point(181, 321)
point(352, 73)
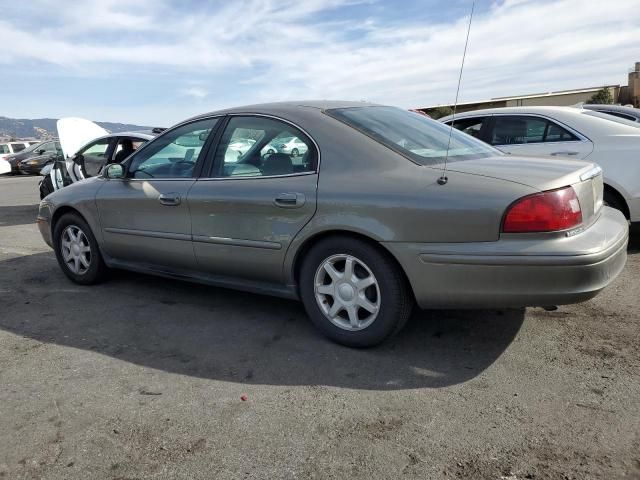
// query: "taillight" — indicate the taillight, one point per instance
point(544, 212)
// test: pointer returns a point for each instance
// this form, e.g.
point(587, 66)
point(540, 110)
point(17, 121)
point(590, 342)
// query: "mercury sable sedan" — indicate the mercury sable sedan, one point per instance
point(385, 208)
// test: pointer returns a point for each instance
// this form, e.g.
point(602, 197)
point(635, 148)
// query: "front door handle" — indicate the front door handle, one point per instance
point(289, 200)
point(564, 153)
point(169, 199)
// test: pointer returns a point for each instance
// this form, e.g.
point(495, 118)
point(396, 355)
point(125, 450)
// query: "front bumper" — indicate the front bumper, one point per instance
point(29, 169)
point(43, 220)
point(517, 271)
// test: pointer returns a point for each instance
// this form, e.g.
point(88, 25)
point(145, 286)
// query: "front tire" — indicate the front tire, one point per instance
point(354, 293)
point(77, 250)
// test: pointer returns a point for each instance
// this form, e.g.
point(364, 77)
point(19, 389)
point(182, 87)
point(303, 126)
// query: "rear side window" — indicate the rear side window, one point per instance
point(18, 147)
point(4, 149)
point(517, 130)
point(263, 147)
point(470, 126)
point(425, 141)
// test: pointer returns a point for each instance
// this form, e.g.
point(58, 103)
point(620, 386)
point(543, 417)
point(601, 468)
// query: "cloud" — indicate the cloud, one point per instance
point(195, 92)
point(284, 49)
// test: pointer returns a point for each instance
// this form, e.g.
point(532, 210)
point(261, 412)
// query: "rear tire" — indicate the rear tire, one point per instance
point(354, 293)
point(77, 250)
point(613, 201)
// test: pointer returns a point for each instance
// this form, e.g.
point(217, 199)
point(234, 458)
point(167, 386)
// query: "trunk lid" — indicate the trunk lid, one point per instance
point(544, 174)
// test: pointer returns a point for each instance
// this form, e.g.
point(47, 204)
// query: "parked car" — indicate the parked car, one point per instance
point(10, 148)
point(358, 227)
point(87, 149)
point(620, 111)
point(31, 160)
point(566, 132)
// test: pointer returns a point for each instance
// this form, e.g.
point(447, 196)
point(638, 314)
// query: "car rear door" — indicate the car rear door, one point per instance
point(145, 216)
point(245, 211)
point(538, 136)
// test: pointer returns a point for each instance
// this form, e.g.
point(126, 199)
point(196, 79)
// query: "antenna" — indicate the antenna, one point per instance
point(443, 178)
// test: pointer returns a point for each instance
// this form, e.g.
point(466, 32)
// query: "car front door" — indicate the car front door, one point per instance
point(145, 216)
point(534, 135)
point(247, 210)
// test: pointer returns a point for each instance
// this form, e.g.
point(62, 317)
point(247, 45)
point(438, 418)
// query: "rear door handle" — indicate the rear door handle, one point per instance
point(169, 199)
point(564, 153)
point(289, 200)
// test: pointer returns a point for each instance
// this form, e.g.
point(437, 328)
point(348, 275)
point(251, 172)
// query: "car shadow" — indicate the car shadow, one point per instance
point(232, 336)
point(18, 215)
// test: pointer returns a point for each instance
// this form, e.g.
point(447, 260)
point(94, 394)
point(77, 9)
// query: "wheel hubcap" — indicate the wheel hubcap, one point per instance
point(347, 292)
point(76, 251)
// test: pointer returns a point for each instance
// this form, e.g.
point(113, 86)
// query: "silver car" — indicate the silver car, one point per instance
point(386, 208)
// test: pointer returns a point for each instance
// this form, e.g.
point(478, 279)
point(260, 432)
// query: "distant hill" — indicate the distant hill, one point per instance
point(46, 127)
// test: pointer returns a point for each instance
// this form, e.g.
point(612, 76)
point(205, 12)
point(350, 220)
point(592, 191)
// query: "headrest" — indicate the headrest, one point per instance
point(277, 164)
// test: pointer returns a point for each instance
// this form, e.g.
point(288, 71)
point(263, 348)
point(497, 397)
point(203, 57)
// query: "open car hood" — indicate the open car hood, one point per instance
point(73, 133)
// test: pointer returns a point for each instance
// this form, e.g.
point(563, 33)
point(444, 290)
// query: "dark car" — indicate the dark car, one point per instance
point(34, 158)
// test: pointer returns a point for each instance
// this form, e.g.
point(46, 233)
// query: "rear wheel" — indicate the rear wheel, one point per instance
point(355, 294)
point(77, 251)
point(613, 201)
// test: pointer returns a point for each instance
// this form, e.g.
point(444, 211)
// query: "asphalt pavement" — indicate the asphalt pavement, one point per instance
point(143, 377)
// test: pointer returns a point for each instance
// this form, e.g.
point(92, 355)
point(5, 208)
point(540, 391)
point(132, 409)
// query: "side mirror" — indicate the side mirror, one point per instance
point(41, 151)
point(115, 170)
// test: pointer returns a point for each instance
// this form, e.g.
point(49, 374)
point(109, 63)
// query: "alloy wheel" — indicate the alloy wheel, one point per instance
point(347, 292)
point(75, 249)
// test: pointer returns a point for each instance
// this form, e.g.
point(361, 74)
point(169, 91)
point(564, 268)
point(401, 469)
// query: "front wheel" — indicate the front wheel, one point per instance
point(354, 293)
point(77, 250)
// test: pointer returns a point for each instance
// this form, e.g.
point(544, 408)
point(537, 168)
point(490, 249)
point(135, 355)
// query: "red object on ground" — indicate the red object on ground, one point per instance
point(244, 397)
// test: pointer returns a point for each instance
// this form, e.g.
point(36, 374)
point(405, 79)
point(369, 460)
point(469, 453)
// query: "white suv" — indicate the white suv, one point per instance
point(14, 147)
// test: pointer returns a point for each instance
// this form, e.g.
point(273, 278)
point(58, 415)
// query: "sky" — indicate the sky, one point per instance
point(157, 62)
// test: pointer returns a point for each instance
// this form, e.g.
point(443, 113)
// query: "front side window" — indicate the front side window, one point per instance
point(93, 157)
point(18, 147)
point(470, 126)
point(517, 130)
point(174, 154)
point(260, 146)
point(415, 136)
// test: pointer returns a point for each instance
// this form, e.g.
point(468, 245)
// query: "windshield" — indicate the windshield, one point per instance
point(415, 136)
point(32, 147)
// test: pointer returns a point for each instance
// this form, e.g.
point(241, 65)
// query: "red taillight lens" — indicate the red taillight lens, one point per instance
point(544, 212)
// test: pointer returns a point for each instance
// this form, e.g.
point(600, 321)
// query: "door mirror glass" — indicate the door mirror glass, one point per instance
point(115, 170)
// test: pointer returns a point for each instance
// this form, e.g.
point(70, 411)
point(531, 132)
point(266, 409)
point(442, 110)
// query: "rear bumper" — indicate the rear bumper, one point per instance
point(517, 271)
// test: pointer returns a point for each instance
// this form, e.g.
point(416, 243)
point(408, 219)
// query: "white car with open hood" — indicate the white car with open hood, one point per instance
point(87, 148)
point(567, 132)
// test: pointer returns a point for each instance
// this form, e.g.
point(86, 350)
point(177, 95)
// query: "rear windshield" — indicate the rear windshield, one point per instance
point(415, 136)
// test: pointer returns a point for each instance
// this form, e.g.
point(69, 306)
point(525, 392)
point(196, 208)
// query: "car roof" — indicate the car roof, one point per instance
point(574, 117)
point(282, 108)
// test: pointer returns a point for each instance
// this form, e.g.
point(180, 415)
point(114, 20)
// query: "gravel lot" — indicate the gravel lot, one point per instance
point(142, 377)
